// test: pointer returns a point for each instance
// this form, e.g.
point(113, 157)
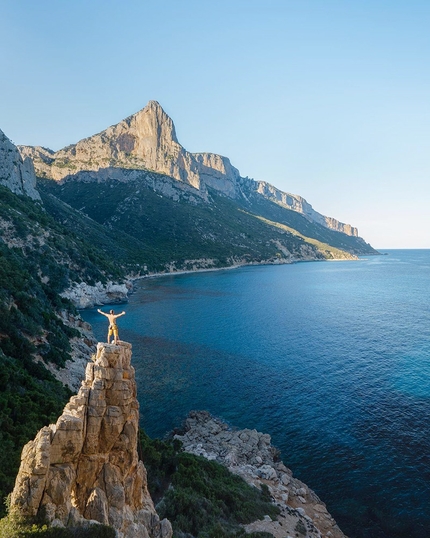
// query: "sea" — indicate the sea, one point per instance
point(332, 359)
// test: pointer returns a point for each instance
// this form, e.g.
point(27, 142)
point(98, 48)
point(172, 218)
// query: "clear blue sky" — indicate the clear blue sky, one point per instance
point(329, 99)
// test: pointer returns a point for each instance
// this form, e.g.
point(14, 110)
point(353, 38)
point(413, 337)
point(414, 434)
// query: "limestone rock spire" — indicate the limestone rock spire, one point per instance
point(86, 468)
point(160, 122)
point(16, 171)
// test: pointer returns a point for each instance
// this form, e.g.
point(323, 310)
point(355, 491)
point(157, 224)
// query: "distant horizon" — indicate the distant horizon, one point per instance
point(398, 248)
point(321, 98)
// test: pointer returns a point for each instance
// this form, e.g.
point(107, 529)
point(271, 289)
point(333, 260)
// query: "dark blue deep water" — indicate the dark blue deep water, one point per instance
point(330, 358)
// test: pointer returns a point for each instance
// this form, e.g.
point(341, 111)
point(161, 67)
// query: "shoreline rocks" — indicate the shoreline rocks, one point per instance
point(250, 454)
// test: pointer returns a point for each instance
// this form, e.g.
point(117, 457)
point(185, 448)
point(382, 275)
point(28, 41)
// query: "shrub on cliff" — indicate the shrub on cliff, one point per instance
point(12, 528)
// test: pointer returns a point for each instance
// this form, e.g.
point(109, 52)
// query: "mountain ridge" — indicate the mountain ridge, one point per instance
point(147, 141)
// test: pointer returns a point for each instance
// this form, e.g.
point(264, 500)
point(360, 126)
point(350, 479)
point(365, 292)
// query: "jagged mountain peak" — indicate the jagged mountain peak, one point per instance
point(146, 141)
point(155, 107)
point(151, 119)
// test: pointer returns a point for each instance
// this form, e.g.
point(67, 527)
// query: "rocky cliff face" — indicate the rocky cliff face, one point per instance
point(147, 141)
point(250, 455)
point(16, 172)
point(85, 469)
point(144, 141)
point(84, 295)
point(299, 204)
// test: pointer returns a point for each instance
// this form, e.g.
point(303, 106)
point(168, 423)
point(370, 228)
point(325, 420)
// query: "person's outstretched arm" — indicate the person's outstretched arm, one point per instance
point(100, 312)
point(118, 315)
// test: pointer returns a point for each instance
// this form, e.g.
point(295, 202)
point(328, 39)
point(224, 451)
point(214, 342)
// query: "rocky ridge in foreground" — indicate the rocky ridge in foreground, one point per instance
point(85, 469)
point(250, 455)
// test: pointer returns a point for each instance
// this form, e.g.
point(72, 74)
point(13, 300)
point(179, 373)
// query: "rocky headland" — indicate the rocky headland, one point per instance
point(249, 454)
point(84, 295)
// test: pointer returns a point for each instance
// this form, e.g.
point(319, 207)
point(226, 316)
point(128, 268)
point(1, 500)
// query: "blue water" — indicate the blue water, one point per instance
point(332, 359)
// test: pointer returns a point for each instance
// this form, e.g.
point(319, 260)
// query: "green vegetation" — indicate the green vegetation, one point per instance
point(331, 252)
point(15, 527)
point(157, 230)
point(128, 253)
point(55, 252)
point(200, 497)
point(258, 205)
point(29, 398)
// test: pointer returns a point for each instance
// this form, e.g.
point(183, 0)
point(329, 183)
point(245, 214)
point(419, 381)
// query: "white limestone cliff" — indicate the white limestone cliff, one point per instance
point(16, 172)
point(300, 205)
point(85, 469)
point(84, 295)
point(145, 140)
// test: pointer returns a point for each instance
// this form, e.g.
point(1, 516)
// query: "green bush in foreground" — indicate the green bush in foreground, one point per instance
point(200, 497)
point(14, 527)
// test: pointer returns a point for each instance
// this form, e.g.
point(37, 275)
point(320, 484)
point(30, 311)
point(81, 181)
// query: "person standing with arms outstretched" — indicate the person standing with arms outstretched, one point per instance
point(113, 327)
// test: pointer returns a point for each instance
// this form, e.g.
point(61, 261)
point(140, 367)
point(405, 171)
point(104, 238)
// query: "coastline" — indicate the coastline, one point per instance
point(237, 266)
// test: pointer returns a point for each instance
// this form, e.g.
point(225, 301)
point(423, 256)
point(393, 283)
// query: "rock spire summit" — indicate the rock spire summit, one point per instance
point(85, 469)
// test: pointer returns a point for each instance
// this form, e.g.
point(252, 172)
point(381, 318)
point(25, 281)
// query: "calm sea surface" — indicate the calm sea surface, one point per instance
point(332, 359)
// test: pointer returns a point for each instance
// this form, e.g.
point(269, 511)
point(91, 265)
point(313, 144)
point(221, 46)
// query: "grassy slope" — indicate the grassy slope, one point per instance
point(275, 212)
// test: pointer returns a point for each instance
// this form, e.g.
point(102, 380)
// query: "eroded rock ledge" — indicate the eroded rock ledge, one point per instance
point(250, 455)
point(85, 469)
point(83, 295)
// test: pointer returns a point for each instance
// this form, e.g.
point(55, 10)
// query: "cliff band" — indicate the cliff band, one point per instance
point(85, 468)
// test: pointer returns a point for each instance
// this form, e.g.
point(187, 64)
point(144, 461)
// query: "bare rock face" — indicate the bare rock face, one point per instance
point(85, 469)
point(144, 141)
point(16, 172)
point(299, 204)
